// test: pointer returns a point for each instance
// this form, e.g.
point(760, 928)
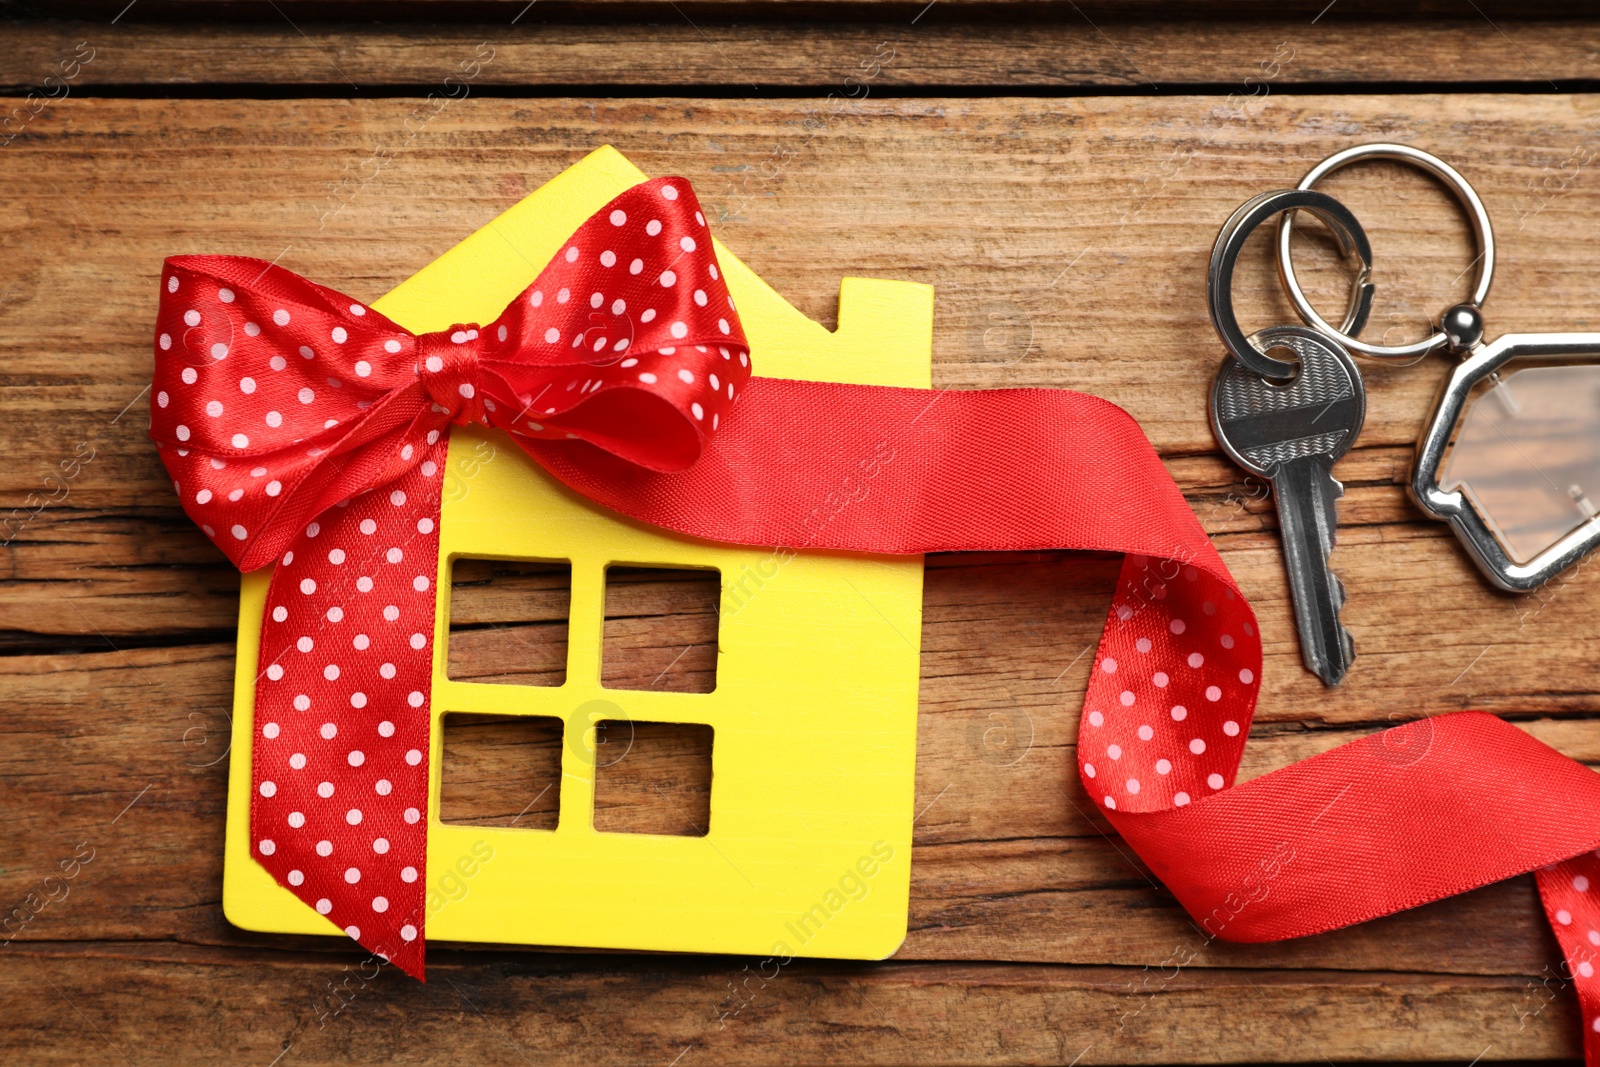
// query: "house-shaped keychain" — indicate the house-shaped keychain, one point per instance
point(814, 712)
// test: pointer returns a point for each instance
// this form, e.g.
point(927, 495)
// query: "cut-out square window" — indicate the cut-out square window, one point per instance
point(654, 778)
point(508, 621)
point(661, 629)
point(501, 770)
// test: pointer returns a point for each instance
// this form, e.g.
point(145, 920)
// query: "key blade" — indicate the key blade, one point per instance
point(1292, 433)
point(1305, 491)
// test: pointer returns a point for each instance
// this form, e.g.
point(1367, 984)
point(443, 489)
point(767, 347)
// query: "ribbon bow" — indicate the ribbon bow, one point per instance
point(628, 340)
point(303, 427)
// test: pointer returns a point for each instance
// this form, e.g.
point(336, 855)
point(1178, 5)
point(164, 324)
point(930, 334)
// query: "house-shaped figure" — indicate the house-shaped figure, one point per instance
point(814, 712)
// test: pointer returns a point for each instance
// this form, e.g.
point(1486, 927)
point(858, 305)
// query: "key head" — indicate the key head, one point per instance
point(1263, 424)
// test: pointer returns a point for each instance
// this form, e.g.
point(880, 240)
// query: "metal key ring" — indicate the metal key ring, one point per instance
point(1230, 240)
point(1482, 229)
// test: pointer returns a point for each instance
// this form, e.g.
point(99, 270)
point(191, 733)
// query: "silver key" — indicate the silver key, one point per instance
point(1291, 434)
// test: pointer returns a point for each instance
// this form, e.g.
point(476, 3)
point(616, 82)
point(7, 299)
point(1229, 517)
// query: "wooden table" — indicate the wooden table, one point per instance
point(1058, 173)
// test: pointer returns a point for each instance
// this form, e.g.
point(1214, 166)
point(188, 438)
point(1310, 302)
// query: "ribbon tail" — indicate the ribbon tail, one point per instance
point(342, 719)
point(1575, 919)
point(1392, 821)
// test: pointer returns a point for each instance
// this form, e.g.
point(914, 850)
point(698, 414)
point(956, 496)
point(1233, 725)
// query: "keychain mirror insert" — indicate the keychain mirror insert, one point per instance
point(1513, 452)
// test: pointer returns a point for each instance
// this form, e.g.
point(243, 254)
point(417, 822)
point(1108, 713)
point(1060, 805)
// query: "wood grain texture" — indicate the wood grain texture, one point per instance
point(508, 621)
point(516, 1008)
point(235, 12)
point(501, 770)
point(873, 54)
point(1067, 240)
point(660, 629)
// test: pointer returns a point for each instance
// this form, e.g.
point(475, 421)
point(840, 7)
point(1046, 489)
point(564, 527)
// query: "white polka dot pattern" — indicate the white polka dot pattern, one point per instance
point(1155, 663)
point(356, 726)
point(1570, 892)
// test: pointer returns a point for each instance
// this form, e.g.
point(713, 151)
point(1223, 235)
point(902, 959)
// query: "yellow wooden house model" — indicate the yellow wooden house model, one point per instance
point(813, 717)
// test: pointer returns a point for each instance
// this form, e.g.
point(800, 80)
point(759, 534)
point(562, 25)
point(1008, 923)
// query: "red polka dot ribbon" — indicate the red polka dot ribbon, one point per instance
point(306, 430)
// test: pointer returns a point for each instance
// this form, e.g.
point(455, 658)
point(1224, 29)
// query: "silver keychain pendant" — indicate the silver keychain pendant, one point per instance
point(1511, 453)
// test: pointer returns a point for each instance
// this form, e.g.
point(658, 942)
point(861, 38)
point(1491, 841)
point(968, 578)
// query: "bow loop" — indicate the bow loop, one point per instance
point(449, 365)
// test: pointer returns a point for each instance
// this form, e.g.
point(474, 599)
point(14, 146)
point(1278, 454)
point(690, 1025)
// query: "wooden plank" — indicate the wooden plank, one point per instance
point(1002, 635)
point(1067, 238)
point(178, 1004)
point(223, 12)
point(1011, 861)
point(86, 578)
point(870, 54)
